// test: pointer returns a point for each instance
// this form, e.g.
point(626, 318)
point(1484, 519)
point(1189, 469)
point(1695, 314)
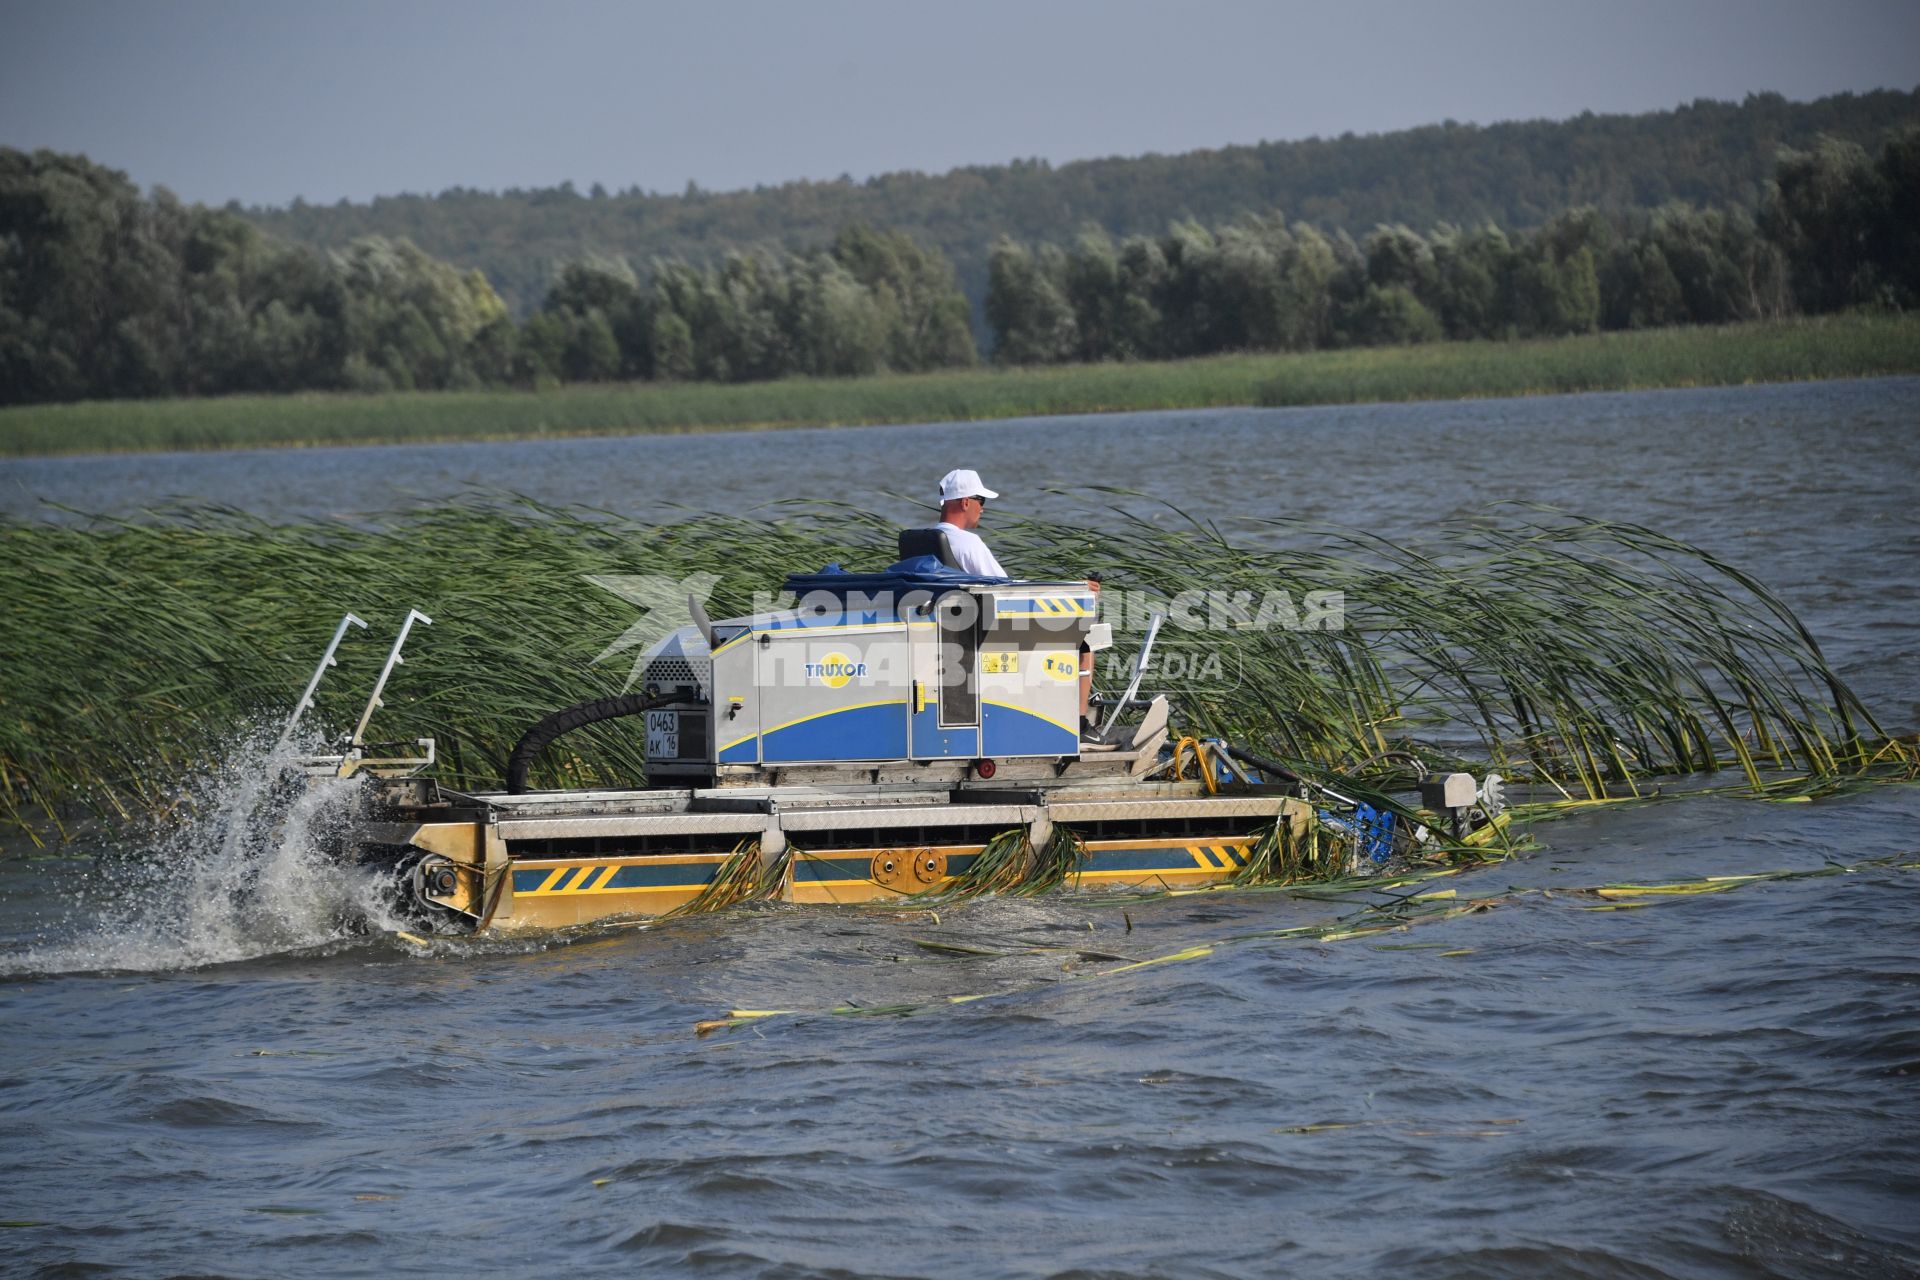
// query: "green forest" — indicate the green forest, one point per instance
point(1712, 155)
point(109, 293)
point(1836, 230)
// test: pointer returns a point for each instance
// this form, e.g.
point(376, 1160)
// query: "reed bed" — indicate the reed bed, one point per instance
point(1840, 346)
point(1776, 351)
point(1577, 652)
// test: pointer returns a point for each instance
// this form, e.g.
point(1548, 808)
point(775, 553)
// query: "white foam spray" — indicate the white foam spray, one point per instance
point(247, 867)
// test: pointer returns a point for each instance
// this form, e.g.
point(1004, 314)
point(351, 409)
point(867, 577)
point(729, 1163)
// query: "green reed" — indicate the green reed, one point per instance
point(1581, 652)
point(1286, 853)
point(1840, 346)
point(1777, 351)
point(744, 876)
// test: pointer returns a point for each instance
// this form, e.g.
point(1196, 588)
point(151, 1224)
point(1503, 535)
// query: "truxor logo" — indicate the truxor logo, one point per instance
point(835, 669)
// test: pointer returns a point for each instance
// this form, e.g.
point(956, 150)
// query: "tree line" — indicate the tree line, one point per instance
point(872, 301)
point(105, 293)
point(1517, 175)
point(1835, 229)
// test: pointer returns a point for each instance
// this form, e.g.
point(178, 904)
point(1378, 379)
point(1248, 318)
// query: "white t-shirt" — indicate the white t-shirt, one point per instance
point(971, 552)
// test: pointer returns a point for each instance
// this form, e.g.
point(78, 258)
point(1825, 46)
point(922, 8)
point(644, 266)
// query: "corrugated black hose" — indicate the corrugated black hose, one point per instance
point(541, 736)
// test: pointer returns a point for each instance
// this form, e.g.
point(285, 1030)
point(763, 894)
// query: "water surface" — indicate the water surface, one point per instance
point(1725, 1085)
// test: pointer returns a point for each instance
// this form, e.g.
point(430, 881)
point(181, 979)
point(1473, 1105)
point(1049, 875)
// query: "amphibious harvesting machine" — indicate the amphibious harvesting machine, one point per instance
point(916, 731)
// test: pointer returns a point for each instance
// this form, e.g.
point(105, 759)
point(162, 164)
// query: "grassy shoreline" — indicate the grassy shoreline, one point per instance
point(1782, 351)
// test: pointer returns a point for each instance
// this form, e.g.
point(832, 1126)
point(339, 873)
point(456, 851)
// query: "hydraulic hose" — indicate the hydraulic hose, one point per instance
point(542, 735)
point(1262, 763)
point(1274, 767)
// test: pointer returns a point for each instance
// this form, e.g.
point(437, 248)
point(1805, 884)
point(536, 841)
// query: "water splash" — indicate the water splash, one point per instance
point(246, 867)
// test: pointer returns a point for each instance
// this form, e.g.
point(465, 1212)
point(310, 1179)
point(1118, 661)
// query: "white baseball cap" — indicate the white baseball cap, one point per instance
point(963, 484)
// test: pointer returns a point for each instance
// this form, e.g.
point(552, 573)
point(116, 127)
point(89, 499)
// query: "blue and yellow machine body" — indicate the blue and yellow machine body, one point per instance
point(554, 860)
point(883, 669)
point(865, 745)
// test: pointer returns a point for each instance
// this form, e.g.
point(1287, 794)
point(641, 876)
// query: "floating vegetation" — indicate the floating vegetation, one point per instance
point(1578, 654)
point(1367, 921)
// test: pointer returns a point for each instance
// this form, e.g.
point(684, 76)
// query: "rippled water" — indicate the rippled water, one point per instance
point(1723, 1085)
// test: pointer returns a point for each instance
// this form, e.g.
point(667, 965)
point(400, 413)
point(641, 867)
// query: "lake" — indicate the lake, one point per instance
point(1717, 1085)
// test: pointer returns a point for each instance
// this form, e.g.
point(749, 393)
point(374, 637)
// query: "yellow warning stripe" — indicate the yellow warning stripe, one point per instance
point(1044, 607)
point(1218, 857)
point(596, 877)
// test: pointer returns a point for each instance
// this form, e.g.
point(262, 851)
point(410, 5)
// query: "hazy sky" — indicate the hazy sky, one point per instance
point(267, 100)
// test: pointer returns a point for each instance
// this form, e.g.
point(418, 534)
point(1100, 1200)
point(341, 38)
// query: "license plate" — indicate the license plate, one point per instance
point(663, 735)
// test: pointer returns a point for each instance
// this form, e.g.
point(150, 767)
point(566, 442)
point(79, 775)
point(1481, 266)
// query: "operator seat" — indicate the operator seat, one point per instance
point(930, 541)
